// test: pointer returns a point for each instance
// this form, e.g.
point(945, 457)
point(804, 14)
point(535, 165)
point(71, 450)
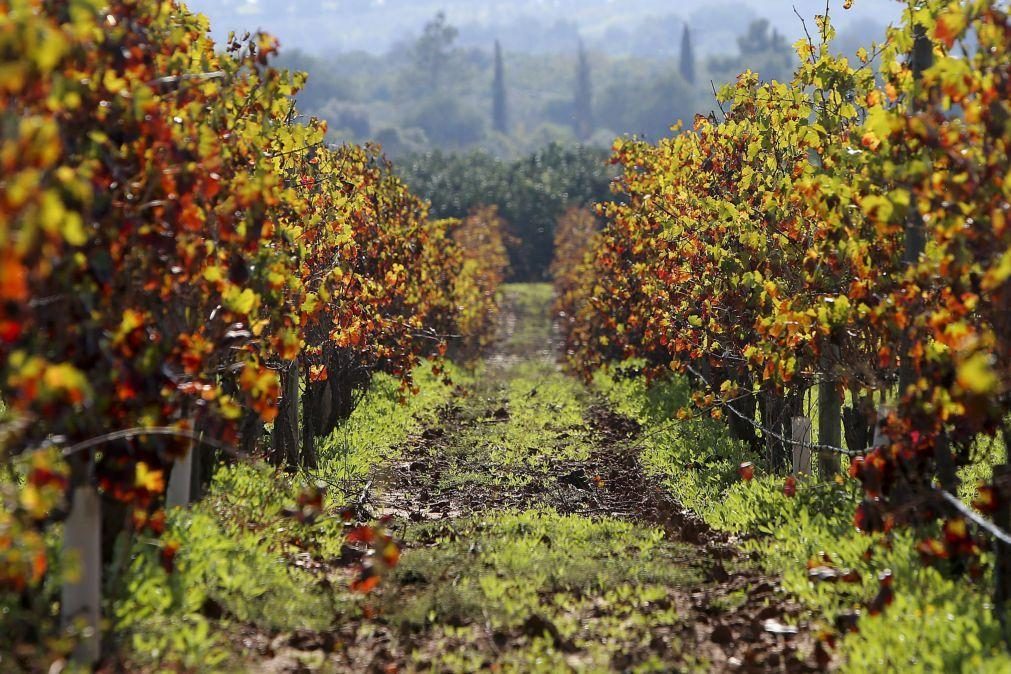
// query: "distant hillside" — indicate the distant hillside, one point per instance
point(628, 27)
point(418, 85)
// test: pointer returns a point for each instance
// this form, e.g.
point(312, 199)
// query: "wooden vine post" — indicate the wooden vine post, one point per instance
point(286, 435)
point(801, 436)
point(81, 596)
point(830, 404)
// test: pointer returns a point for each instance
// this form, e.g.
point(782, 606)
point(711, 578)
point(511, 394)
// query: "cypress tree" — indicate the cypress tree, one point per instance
point(687, 57)
point(500, 117)
point(582, 104)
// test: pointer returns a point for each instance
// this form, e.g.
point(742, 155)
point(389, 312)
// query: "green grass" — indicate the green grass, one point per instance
point(381, 423)
point(238, 551)
point(939, 621)
point(696, 460)
point(539, 420)
point(232, 561)
point(605, 585)
point(530, 333)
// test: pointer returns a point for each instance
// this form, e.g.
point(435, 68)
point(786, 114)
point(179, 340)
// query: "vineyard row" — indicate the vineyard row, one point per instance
point(846, 233)
point(185, 264)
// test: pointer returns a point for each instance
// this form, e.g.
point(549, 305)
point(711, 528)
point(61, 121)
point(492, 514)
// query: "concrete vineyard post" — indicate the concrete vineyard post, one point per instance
point(181, 481)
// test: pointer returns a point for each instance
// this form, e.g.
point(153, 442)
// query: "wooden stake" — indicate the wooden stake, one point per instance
point(82, 599)
point(829, 427)
point(801, 427)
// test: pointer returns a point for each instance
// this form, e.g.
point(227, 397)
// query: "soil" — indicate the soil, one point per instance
point(734, 618)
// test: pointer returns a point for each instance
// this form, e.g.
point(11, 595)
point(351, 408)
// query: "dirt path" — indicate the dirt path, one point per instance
point(534, 541)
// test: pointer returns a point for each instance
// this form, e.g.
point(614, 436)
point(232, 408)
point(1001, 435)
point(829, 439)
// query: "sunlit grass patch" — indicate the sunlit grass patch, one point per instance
point(697, 459)
point(937, 622)
point(516, 421)
point(232, 568)
point(528, 332)
point(238, 560)
point(545, 420)
point(564, 591)
point(381, 423)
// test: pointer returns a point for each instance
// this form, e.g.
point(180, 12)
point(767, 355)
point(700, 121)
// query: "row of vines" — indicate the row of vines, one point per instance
point(844, 237)
point(184, 263)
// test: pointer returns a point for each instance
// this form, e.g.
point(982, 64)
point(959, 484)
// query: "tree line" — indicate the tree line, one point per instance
point(529, 193)
point(433, 94)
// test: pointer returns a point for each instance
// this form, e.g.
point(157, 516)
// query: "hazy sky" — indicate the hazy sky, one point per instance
point(374, 25)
